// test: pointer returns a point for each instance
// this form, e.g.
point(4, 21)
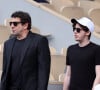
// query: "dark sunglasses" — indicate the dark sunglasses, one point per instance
point(77, 30)
point(14, 23)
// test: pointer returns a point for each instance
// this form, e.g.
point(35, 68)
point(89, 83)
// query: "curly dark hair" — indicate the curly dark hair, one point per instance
point(24, 17)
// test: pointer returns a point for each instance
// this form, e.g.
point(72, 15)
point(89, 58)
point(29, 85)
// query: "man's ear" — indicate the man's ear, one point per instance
point(25, 25)
point(88, 33)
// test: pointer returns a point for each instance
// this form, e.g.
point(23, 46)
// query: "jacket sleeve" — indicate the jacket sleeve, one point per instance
point(44, 61)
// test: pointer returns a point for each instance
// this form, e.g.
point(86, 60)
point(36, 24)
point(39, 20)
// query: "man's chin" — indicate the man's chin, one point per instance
point(76, 39)
point(15, 34)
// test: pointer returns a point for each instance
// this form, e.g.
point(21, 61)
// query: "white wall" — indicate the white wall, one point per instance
point(61, 31)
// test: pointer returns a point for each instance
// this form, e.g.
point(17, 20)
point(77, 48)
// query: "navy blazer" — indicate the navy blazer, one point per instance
point(34, 63)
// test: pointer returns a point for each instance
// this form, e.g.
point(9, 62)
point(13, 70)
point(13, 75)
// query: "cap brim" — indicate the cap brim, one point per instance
point(74, 20)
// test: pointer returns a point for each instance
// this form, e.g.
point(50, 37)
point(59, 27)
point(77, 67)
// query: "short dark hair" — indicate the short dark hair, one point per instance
point(24, 17)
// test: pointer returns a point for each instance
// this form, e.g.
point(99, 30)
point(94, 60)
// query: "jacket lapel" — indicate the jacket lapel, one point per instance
point(9, 50)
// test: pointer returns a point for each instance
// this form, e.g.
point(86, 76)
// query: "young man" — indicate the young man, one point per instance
point(83, 59)
point(26, 59)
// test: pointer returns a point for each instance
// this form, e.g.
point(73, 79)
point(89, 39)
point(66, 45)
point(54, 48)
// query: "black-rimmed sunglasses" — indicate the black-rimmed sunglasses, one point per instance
point(77, 30)
point(14, 23)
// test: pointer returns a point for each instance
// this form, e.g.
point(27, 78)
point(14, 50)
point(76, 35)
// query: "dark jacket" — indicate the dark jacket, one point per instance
point(34, 63)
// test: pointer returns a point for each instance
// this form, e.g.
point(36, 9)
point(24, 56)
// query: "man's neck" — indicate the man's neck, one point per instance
point(23, 35)
point(82, 44)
